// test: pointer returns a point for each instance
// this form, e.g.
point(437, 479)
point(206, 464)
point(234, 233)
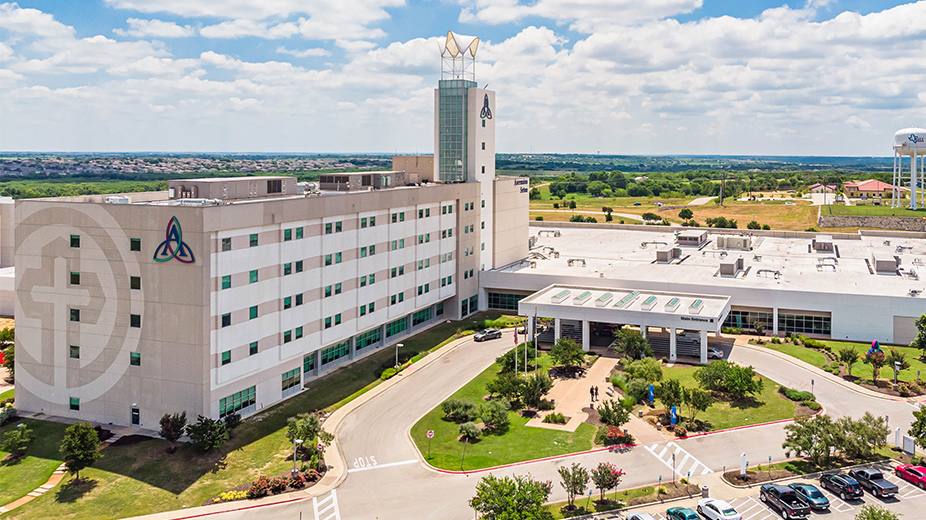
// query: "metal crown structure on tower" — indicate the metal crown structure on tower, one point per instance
point(458, 57)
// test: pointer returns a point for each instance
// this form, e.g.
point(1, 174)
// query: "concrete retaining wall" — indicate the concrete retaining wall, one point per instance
point(897, 223)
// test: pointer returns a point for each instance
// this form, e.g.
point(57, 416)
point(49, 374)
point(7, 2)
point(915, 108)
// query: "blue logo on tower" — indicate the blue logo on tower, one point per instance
point(173, 245)
point(913, 138)
point(486, 111)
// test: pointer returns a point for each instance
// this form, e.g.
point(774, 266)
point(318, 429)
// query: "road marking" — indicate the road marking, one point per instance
point(755, 510)
point(904, 488)
point(682, 458)
point(327, 506)
point(381, 466)
point(836, 504)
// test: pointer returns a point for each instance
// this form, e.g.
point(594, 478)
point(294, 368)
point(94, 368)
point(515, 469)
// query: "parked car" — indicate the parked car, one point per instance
point(641, 516)
point(844, 486)
point(790, 204)
point(714, 509)
point(915, 475)
point(785, 500)
point(811, 496)
point(681, 513)
point(714, 353)
point(874, 481)
point(488, 334)
point(637, 204)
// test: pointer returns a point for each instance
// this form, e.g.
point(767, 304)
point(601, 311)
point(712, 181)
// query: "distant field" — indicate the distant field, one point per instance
point(874, 211)
point(562, 216)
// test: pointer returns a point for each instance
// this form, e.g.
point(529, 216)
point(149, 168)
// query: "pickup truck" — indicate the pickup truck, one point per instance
point(785, 500)
point(874, 482)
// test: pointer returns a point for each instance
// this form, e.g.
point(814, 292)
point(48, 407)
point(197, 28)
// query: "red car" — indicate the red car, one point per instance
point(916, 475)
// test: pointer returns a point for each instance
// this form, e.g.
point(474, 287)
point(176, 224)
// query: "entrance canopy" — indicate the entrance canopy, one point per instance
point(689, 312)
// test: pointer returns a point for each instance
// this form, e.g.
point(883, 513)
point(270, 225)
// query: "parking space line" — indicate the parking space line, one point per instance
point(904, 488)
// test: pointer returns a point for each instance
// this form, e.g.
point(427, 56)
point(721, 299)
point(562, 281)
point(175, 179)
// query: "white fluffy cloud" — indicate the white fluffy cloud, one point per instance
point(157, 28)
point(583, 15)
point(305, 53)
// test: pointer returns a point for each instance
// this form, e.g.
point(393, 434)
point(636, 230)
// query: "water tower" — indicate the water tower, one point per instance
point(910, 142)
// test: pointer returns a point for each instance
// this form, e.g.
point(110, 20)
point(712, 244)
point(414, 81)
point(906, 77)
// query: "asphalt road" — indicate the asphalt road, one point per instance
point(390, 482)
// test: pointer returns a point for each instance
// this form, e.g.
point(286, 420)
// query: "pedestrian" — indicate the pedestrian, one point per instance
point(591, 392)
point(596, 392)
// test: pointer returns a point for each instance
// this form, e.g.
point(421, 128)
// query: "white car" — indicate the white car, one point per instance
point(641, 516)
point(714, 353)
point(714, 509)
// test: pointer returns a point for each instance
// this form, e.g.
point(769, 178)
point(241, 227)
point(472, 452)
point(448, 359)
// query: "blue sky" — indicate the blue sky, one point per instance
point(815, 77)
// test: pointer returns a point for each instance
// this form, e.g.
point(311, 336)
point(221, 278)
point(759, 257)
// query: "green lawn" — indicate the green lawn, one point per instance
point(875, 211)
point(768, 406)
point(520, 443)
point(859, 369)
point(142, 478)
point(7, 394)
point(41, 460)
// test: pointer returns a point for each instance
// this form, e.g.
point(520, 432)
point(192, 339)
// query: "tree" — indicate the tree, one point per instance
point(574, 480)
point(207, 434)
point(606, 476)
point(470, 431)
point(875, 512)
point(650, 216)
point(15, 440)
point(495, 415)
point(686, 214)
point(572, 204)
point(813, 437)
point(876, 359)
point(726, 376)
point(753, 225)
point(507, 360)
point(172, 427)
point(567, 353)
point(595, 188)
point(577, 218)
point(511, 498)
point(766, 227)
point(305, 426)
point(458, 410)
point(849, 356)
point(696, 400)
point(632, 344)
point(608, 217)
point(648, 370)
point(859, 437)
point(79, 447)
point(896, 358)
point(535, 194)
point(506, 385)
point(7, 347)
point(535, 388)
point(671, 393)
point(919, 342)
point(918, 428)
point(613, 413)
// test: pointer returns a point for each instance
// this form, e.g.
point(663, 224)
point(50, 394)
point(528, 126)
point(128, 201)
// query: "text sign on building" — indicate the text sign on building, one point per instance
point(173, 245)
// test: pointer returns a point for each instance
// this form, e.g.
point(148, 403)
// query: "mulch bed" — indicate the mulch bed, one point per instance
point(756, 477)
point(672, 491)
point(286, 474)
point(593, 418)
point(130, 440)
point(104, 435)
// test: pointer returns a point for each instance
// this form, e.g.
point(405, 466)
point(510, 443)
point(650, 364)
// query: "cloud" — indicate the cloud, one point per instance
point(305, 53)
point(158, 28)
point(858, 122)
point(242, 28)
point(584, 15)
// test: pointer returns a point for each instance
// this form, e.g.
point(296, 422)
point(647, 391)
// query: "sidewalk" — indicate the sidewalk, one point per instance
point(572, 395)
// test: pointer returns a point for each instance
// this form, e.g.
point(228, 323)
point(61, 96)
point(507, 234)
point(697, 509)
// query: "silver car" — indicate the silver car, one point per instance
point(641, 516)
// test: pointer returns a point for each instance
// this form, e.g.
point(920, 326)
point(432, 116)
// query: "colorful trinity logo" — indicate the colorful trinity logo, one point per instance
point(913, 138)
point(486, 111)
point(173, 245)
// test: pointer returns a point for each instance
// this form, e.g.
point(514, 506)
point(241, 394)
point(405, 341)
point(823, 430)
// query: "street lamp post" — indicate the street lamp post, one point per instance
point(397, 347)
point(295, 442)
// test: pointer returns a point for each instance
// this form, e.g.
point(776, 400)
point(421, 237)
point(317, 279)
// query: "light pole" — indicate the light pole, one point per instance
point(896, 371)
point(295, 442)
point(811, 388)
point(397, 347)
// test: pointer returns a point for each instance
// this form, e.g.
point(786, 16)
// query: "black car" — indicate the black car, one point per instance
point(785, 500)
point(844, 486)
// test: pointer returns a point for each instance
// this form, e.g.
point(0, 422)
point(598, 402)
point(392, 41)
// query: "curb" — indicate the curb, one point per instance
point(805, 475)
point(596, 516)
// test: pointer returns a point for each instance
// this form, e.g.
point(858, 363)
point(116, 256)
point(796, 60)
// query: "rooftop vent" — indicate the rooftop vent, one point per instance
point(582, 298)
point(696, 306)
point(649, 303)
point(604, 299)
point(626, 300)
point(672, 304)
point(117, 199)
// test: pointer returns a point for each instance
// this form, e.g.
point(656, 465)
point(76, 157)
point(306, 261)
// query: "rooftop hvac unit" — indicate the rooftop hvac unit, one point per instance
point(117, 199)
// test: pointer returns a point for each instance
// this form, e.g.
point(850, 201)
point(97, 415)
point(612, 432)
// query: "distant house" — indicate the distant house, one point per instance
point(871, 188)
point(822, 188)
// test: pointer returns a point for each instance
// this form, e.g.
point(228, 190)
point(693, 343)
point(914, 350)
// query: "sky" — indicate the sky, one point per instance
point(636, 77)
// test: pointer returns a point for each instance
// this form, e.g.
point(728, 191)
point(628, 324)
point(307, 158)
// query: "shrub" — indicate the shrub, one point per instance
point(776, 340)
point(795, 395)
point(555, 418)
point(629, 402)
point(577, 218)
point(259, 488)
point(389, 372)
point(232, 421)
point(813, 405)
point(296, 481)
point(228, 496)
point(278, 485)
point(539, 218)
point(470, 431)
point(649, 370)
point(638, 389)
point(556, 205)
point(495, 415)
point(15, 440)
point(680, 431)
point(545, 404)
point(7, 412)
point(459, 410)
point(207, 434)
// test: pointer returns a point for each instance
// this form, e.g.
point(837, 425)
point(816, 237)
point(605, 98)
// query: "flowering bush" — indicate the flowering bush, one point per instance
point(228, 496)
point(259, 488)
point(277, 485)
point(296, 481)
point(606, 476)
point(680, 431)
point(309, 474)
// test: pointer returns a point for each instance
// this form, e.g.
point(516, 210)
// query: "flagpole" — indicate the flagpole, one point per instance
point(536, 365)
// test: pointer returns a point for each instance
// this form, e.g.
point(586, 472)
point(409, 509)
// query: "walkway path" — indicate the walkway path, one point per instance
point(700, 201)
point(572, 395)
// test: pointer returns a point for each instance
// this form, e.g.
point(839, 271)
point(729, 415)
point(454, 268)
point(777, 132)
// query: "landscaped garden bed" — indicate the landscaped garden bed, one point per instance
point(625, 498)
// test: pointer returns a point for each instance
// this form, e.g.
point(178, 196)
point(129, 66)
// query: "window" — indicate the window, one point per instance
point(363, 222)
point(135, 283)
point(337, 288)
point(363, 252)
point(135, 359)
point(75, 240)
point(363, 310)
point(299, 233)
point(237, 401)
point(337, 258)
point(287, 336)
point(392, 300)
point(421, 316)
point(226, 244)
point(298, 332)
point(287, 302)
point(253, 240)
point(275, 186)
point(75, 314)
point(252, 312)
point(299, 264)
point(443, 210)
point(75, 278)
point(483, 169)
point(483, 203)
point(372, 250)
point(327, 291)
point(252, 348)
point(134, 244)
point(252, 276)
point(395, 244)
point(466, 275)
point(136, 417)
point(395, 218)
point(298, 299)
point(337, 227)
point(135, 321)
point(483, 246)
point(291, 379)
point(504, 301)
point(483, 123)
point(439, 309)
point(363, 281)
point(328, 322)
point(336, 352)
point(420, 213)
point(371, 306)
point(337, 319)
point(420, 290)
point(327, 259)
point(394, 272)
point(401, 270)
point(427, 212)
point(74, 403)
point(226, 319)
point(287, 235)
point(226, 357)
point(74, 352)
point(308, 362)
point(368, 338)
point(372, 221)
point(396, 326)
point(328, 228)
point(372, 278)
point(483, 225)
point(287, 269)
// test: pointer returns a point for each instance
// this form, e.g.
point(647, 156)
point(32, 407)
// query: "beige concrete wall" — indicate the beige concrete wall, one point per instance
point(417, 168)
point(7, 227)
point(904, 330)
point(231, 187)
point(511, 225)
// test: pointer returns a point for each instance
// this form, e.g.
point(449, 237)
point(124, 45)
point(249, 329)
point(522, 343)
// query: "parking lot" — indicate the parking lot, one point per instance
point(909, 502)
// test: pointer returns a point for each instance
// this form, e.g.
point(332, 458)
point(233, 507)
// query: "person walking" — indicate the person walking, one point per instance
point(591, 393)
point(596, 392)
